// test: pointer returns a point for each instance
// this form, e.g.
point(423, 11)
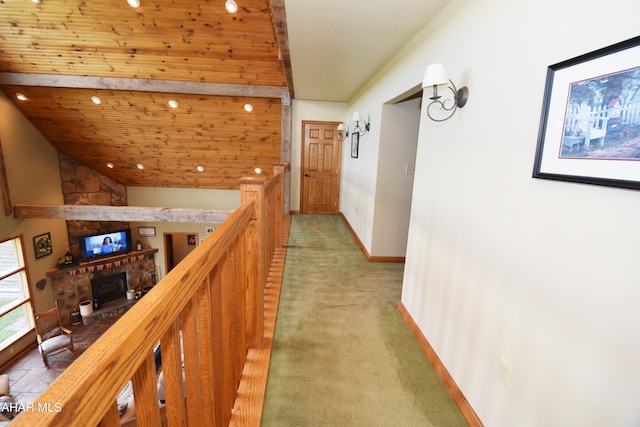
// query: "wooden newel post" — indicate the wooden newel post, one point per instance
point(279, 203)
point(252, 189)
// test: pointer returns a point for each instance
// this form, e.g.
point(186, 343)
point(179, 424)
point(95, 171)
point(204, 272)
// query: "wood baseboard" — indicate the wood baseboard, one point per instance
point(463, 404)
point(397, 259)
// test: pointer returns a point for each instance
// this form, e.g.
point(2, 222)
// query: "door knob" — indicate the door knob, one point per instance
point(307, 175)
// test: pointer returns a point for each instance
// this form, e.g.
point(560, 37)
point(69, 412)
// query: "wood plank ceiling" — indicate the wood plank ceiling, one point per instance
point(61, 53)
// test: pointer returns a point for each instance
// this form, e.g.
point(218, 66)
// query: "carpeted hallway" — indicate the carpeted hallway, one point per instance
point(342, 355)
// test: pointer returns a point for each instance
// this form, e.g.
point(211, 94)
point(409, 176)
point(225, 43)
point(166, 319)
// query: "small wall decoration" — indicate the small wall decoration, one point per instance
point(147, 231)
point(191, 239)
point(590, 124)
point(355, 142)
point(42, 245)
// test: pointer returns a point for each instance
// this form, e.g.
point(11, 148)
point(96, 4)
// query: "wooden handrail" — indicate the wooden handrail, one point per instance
point(203, 314)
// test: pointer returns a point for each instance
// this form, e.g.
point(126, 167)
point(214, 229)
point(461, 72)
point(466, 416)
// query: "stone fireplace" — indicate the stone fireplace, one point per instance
point(107, 278)
point(110, 287)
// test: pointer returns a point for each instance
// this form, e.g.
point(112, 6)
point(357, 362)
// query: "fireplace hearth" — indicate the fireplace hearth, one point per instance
point(109, 288)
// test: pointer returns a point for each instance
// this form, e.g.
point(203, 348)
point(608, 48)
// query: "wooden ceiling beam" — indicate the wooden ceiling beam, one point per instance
point(279, 17)
point(143, 85)
point(120, 213)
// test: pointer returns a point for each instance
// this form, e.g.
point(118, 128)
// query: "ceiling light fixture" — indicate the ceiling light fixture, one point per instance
point(173, 104)
point(231, 6)
point(200, 168)
point(111, 165)
point(435, 76)
point(21, 97)
point(140, 166)
point(36, 1)
point(258, 171)
point(96, 100)
point(248, 108)
point(134, 3)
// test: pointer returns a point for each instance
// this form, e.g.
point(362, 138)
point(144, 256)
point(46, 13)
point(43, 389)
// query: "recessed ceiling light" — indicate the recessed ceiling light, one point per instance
point(248, 108)
point(258, 171)
point(36, 1)
point(134, 3)
point(96, 100)
point(21, 97)
point(200, 168)
point(231, 6)
point(173, 104)
point(111, 165)
point(140, 166)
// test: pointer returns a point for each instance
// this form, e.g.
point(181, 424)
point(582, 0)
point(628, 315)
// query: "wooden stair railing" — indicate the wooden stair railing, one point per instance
point(206, 314)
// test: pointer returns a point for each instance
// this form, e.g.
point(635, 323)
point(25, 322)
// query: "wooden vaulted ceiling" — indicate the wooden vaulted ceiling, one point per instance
point(61, 53)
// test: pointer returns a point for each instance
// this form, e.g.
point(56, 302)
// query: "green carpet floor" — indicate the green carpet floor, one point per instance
point(342, 355)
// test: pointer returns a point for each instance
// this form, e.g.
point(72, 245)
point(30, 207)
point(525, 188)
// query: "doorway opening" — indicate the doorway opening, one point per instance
point(177, 246)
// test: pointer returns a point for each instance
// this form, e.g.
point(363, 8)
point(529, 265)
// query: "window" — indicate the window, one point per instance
point(15, 297)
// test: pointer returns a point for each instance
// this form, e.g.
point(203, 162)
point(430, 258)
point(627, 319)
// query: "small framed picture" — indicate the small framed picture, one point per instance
point(191, 239)
point(42, 245)
point(355, 142)
point(147, 231)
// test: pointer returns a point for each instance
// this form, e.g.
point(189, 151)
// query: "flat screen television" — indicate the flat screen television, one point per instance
point(105, 244)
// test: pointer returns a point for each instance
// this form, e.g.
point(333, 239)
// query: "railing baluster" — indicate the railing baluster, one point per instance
point(191, 364)
point(171, 352)
point(146, 393)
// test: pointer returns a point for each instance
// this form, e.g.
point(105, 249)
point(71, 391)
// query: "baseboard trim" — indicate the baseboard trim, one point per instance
point(396, 259)
point(463, 404)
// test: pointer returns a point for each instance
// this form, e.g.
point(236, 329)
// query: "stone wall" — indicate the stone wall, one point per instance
point(82, 185)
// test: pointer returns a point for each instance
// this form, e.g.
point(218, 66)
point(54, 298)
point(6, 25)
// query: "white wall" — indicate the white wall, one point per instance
point(398, 144)
point(543, 273)
point(309, 111)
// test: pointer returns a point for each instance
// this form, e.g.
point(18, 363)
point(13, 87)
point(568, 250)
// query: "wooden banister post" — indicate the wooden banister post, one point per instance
point(279, 208)
point(252, 189)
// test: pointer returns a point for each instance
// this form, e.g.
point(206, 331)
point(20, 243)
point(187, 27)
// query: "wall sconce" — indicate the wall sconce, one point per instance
point(436, 76)
point(360, 129)
point(342, 133)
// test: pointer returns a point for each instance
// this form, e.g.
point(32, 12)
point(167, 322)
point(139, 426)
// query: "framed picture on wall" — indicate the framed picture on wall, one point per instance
point(42, 245)
point(147, 231)
point(590, 123)
point(355, 142)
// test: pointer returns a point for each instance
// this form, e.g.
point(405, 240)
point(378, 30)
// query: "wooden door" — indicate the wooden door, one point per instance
point(320, 172)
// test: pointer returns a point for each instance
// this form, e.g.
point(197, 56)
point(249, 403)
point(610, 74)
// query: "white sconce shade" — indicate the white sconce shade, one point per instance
point(340, 127)
point(441, 109)
point(356, 117)
point(435, 76)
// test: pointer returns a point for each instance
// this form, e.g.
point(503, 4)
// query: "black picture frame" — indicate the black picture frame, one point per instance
point(42, 245)
point(590, 123)
point(355, 144)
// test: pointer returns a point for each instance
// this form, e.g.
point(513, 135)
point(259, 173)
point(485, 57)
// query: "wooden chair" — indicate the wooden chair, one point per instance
point(52, 337)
